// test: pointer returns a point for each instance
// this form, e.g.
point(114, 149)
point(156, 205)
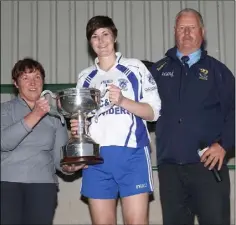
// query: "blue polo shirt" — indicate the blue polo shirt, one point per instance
point(193, 57)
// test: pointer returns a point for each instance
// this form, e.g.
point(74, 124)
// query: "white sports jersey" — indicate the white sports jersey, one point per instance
point(117, 126)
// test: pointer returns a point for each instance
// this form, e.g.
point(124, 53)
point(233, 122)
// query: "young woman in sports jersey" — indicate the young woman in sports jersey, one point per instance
point(121, 131)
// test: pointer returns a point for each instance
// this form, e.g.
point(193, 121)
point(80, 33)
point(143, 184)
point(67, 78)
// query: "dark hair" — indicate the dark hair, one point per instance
point(97, 22)
point(27, 65)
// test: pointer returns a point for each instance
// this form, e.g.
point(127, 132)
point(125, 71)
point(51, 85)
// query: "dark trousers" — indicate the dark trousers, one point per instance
point(23, 203)
point(189, 190)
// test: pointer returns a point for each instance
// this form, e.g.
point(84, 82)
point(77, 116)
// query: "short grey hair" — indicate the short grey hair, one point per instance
point(187, 10)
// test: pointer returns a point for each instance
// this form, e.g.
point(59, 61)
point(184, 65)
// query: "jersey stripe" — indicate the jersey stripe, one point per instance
point(130, 130)
point(132, 79)
point(140, 133)
point(89, 78)
point(146, 149)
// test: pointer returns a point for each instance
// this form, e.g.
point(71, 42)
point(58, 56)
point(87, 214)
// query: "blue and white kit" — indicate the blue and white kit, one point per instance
point(122, 136)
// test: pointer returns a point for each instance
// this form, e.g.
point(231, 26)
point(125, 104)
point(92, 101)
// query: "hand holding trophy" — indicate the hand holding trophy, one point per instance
point(78, 104)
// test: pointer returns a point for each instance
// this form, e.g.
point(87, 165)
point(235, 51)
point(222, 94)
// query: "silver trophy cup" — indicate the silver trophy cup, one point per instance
point(79, 104)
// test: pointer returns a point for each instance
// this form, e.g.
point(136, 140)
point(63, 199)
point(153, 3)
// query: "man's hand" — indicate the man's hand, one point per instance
point(215, 154)
point(73, 168)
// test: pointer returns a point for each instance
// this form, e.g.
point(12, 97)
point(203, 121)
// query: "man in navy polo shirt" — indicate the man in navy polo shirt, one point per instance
point(198, 112)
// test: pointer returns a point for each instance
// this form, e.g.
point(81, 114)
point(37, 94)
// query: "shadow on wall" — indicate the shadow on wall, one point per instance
point(230, 154)
point(70, 178)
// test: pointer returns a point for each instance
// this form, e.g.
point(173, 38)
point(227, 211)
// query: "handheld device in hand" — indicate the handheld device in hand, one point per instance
point(214, 170)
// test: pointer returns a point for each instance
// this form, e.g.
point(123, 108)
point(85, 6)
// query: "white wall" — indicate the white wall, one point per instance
point(54, 33)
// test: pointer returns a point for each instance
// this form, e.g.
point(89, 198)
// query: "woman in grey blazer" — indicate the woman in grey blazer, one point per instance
point(30, 150)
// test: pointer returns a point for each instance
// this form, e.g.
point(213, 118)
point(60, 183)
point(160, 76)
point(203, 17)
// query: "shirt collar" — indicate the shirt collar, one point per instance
point(193, 57)
point(118, 57)
point(22, 101)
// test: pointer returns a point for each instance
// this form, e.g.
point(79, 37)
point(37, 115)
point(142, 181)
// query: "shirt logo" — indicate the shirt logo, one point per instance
point(106, 82)
point(159, 68)
point(140, 186)
point(151, 79)
point(123, 84)
point(150, 88)
point(167, 74)
point(203, 74)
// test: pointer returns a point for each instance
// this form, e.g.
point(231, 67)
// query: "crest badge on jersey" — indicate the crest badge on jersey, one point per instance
point(203, 74)
point(151, 79)
point(123, 84)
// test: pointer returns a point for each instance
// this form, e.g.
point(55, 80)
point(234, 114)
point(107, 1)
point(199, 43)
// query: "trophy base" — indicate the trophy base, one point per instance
point(88, 160)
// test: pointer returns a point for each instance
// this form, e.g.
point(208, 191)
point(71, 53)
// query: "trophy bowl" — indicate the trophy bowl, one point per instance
point(73, 100)
point(79, 103)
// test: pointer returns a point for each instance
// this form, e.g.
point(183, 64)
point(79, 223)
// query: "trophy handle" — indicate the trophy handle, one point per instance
point(96, 113)
point(53, 111)
point(100, 111)
point(104, 109)
point(103, 92)
point(86, 124)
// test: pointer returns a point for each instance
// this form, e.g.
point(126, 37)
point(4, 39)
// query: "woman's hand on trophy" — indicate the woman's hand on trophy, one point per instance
point(73, 168)
point(41, 107)
point(74, 124)
point(115, 95)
